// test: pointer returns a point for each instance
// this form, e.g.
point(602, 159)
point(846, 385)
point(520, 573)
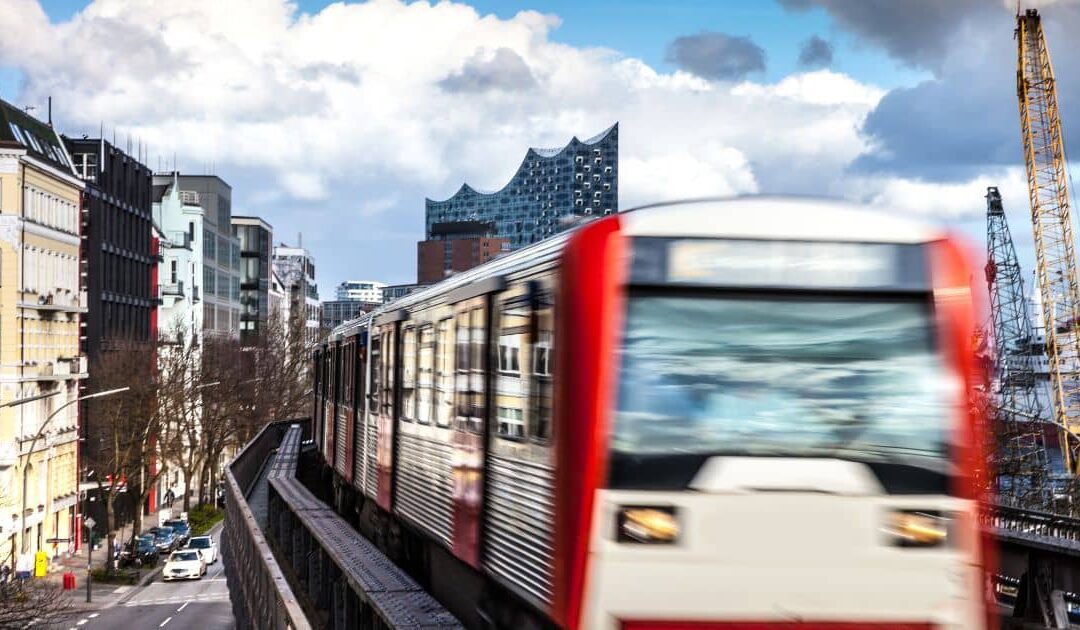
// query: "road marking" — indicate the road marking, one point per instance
point(81, 622)
point(182, 607)
point(165, 622)
point(122, 589)
point(92, 615)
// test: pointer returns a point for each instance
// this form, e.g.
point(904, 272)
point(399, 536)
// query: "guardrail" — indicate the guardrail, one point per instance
point(261, 596)
point(342, 573)
point(1032, 523)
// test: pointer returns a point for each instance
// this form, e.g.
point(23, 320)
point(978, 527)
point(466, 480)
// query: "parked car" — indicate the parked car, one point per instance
point(146, 553)
point(206, 546)
point(165, 539)
point(186, 564)
point(182, 529)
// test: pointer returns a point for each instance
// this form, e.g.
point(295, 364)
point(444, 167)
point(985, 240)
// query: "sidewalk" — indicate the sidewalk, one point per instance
point(102, 595)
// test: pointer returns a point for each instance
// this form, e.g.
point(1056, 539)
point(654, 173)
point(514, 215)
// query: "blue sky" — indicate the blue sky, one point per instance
point(338, 120)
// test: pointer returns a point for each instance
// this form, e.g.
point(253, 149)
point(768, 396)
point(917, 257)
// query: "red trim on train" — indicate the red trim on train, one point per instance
point(772, 625)
point(953, 304)
point(589, 313)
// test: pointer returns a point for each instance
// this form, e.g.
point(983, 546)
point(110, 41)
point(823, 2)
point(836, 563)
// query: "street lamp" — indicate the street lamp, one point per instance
point(41, 431)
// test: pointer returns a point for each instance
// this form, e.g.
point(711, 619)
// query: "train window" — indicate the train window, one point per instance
point(469, 386)
point(444, 385)
point(361, 380)
point(387, 397)
point(511, 389)
point(511, 423)
point(478, 368)
point(542, 359)
point(376, 373)
point(461, 380)
point(424, 374)
point(408, 375)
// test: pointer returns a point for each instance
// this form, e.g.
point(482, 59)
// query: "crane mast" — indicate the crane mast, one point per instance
point(1020, 462)
point(1044, 155)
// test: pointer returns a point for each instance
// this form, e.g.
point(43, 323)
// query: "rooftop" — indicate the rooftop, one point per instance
point(40, 140)
point(467, 190)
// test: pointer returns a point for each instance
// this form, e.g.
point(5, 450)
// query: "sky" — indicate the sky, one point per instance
point(337, 120)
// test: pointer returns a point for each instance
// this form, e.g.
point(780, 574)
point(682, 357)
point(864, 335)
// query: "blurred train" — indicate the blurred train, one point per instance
point(734, 414)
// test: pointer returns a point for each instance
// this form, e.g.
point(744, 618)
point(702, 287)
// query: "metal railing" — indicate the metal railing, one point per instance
point(261, 596)
point(1032, 523)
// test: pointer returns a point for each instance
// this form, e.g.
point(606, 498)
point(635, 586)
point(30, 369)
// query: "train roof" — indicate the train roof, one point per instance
point(757, 216)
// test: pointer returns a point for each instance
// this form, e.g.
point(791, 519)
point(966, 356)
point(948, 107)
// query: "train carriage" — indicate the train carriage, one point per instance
point(716, 414)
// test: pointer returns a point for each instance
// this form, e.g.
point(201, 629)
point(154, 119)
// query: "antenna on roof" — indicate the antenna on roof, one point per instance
point(29, 108)
point(50, 111)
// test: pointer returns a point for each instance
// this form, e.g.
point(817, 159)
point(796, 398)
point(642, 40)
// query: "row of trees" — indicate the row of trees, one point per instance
point(188, 406)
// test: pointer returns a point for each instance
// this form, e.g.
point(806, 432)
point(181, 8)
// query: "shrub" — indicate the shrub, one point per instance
point(203, 517)
point(120, 576)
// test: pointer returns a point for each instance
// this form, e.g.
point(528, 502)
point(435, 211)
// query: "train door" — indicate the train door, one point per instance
point(469, 427)
point(360, 406)
point(388, 329)
point(333, 365)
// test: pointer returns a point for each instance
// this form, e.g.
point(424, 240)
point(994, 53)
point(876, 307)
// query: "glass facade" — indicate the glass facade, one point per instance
point(551, 191)
point(254, 251)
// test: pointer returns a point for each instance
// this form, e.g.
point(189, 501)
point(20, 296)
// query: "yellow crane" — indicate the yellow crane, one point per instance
point(1055, 253)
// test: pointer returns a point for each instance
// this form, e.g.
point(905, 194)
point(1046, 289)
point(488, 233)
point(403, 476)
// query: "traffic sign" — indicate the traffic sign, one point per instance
point(90, 522)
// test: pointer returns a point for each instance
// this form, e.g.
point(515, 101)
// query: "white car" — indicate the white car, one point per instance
point(206, 547)
point(185, 564)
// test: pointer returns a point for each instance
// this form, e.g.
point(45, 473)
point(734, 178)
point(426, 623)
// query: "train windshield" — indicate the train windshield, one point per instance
point(786, 376)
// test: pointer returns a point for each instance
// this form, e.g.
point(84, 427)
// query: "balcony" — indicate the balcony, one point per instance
point(178, 239)
point(189, 197)
point(175, 289)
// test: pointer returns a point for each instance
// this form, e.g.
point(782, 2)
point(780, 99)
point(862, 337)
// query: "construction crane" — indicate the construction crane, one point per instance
point(1020, 461)
point(1044, 155)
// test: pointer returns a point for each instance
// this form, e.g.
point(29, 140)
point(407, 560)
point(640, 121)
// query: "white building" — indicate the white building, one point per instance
point(178, 217)
point(361, 291)
point(295, 268)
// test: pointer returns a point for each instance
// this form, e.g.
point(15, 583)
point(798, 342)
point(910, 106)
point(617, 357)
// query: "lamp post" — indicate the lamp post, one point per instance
point(41, 431)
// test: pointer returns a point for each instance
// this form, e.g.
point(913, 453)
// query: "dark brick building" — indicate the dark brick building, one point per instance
point(456, 246)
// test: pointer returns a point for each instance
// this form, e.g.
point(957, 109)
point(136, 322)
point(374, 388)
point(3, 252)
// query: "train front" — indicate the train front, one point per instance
point(788, 443)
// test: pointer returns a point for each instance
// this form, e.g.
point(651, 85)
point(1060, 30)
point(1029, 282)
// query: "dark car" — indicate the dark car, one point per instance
point(146, 553)
point(165, 539)
point(182, 529)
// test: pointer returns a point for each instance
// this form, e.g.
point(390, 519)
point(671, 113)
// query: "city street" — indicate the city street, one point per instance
point(197, 605)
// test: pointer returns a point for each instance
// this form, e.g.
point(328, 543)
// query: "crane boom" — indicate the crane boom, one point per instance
point(1044, 155)
point(1020, 464)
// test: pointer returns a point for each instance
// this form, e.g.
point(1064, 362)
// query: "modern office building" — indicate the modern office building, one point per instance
point(41, 302)
point(256, 253)
point(336, 312)
point(213, 243)
point(117, 256)
point(360, 290)
point(455, 247)
point(296, 269)
point(552, 190)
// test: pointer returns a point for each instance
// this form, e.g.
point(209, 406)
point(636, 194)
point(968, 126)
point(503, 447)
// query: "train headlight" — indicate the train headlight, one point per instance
point(651, 525)
point(914, 528)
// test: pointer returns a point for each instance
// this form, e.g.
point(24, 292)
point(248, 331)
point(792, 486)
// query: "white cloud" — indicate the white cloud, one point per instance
point(329, 107)
point(939, 200)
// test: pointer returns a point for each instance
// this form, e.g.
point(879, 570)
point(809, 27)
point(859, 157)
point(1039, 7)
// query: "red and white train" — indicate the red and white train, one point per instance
point(734, 414)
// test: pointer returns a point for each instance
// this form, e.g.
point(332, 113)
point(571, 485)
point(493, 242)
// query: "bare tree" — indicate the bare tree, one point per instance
point(180, 403)
point(122, 427)
point(32, 603)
